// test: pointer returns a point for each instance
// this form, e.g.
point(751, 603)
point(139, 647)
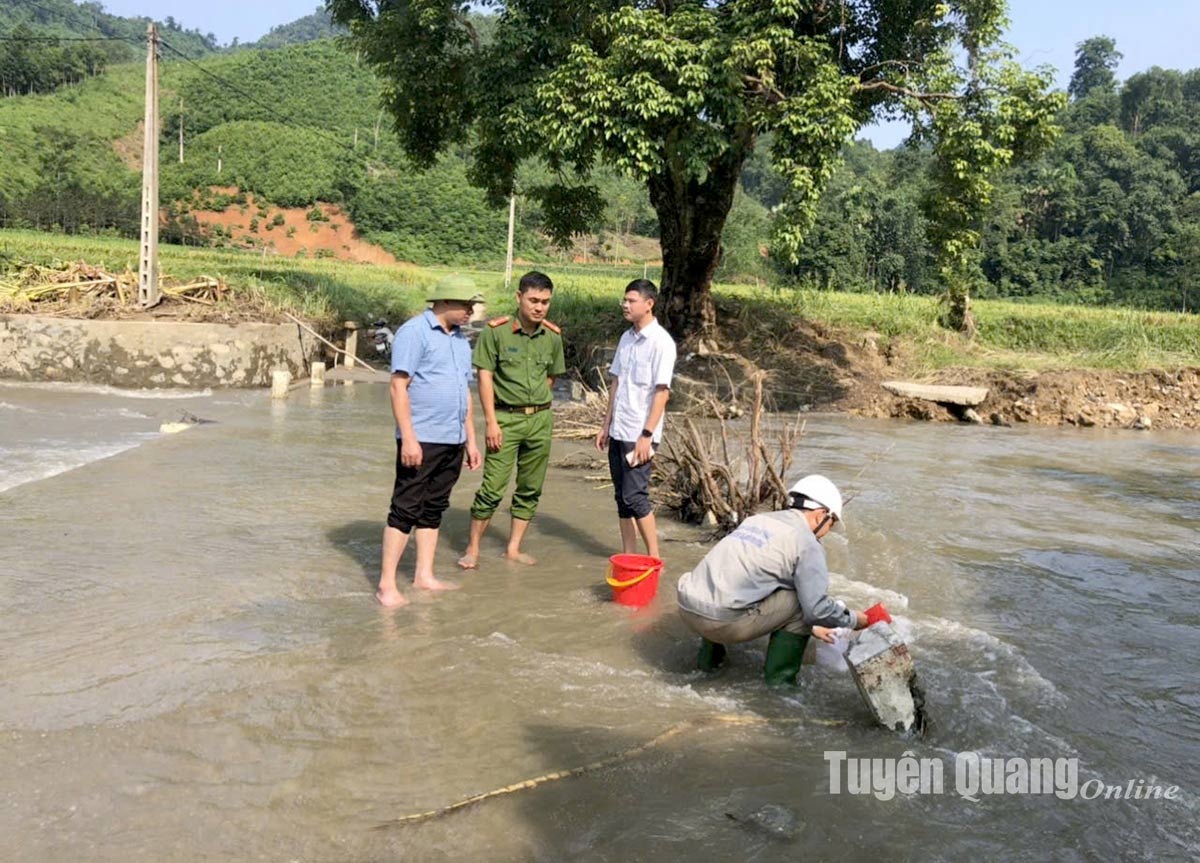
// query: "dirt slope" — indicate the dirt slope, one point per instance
point(290, 231)
point(809, 366)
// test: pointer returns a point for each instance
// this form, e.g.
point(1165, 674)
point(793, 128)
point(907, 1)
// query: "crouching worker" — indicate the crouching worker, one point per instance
point(769, 577)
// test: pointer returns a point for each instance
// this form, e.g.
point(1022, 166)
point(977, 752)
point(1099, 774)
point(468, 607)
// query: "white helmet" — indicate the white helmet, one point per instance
point(818, 493)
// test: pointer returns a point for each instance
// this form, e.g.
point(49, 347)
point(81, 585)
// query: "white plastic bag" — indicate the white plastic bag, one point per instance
point(833, 656)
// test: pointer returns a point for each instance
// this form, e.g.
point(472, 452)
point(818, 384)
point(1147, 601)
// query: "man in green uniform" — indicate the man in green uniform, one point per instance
point(518, 358)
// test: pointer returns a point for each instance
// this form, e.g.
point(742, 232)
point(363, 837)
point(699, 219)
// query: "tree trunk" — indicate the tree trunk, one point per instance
point(691, 217)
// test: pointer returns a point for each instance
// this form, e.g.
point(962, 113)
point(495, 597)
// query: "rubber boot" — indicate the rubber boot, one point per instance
point(785, 650)
point(711, 655)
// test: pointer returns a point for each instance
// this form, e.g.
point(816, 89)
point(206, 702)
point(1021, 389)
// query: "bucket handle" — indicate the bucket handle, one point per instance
point(612, 582)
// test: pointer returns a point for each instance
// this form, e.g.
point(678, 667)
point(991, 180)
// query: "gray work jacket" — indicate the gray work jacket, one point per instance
point(766, 553)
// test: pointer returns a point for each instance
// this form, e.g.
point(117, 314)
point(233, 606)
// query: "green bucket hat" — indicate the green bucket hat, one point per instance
point(455, 287)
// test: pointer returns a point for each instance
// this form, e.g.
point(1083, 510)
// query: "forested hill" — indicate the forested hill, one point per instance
point(31, 64)
point(1111, 214)
point(310, 28)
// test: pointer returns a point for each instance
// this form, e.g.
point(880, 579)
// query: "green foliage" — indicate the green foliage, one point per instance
point(40, 66)
point(1006, 113)
point(315, 86)
point(675, 94)
point(744, 241)
point(433, 217)
point(1109, 214)
point(310, 28)
point(32, 61)
point(1096, 61)
point(287, 166)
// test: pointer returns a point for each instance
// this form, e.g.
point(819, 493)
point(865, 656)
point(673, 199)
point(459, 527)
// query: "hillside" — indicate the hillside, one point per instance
point(317, 231)
point(311, 28)
point(281, 125)
point(30, 64)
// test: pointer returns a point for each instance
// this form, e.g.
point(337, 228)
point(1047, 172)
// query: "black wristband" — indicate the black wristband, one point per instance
point(647, 433)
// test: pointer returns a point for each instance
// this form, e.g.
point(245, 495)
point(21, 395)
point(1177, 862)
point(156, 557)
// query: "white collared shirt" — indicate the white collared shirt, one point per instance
point(645, 360)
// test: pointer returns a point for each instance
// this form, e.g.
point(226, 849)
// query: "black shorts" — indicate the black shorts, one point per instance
point(422, 493)
point(631, 485)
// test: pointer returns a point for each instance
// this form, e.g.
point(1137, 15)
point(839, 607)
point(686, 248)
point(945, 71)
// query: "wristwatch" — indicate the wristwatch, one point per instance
point(647, 433)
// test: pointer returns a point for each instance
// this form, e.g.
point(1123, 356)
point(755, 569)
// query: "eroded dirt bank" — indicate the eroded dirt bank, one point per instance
point(810, 366)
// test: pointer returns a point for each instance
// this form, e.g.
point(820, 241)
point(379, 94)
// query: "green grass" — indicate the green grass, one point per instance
point(1011, 335)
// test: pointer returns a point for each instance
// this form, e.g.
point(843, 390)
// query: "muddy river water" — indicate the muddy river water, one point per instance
point(192, 666)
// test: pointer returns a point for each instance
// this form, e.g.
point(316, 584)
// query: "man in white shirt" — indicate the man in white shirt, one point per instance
point(639, 386)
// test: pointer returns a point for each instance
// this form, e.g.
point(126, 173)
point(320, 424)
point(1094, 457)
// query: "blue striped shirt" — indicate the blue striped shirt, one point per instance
point(439, 365)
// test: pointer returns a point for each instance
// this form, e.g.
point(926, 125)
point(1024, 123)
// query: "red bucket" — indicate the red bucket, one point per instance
point(633, 578)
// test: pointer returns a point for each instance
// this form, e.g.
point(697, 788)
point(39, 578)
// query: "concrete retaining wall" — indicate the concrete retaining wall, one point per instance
point(150, 353)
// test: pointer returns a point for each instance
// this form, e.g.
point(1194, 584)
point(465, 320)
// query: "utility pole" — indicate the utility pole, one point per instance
point(220, 147)
point(512, 215)
point(181, 131)
point(149, 293)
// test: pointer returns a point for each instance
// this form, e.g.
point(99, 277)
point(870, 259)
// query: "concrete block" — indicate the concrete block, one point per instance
point(281, 379)
point(883, 670)
point(968, 397)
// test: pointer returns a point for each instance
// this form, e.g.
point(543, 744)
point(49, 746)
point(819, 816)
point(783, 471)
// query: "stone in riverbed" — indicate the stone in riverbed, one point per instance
point(883, 670)
point(776, 821)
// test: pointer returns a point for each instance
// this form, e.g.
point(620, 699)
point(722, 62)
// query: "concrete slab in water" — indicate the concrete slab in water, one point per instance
point(883, 669)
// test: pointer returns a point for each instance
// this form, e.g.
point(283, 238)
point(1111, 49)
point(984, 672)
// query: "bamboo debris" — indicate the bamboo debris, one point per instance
point(81, 283)
point(582, 420)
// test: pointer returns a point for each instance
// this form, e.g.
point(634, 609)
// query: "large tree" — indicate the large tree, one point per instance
point(1096, 62)
point(675, 93)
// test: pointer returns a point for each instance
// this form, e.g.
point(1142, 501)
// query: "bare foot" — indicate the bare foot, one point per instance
point(468, 561)
point(390, 598)
point(431, 583)
point(520, 557)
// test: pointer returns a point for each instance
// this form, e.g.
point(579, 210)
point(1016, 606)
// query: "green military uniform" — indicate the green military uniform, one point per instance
point(520, 364)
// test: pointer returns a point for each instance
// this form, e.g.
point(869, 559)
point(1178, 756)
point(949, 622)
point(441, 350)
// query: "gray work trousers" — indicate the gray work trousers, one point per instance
point(780, 610)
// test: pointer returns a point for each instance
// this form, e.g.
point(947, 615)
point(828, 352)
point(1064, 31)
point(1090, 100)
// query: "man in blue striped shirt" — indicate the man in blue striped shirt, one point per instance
point(431, 373)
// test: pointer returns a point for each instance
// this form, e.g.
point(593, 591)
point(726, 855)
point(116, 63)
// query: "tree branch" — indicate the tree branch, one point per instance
point(761, 88)
point(905, 91)
point(901, 63)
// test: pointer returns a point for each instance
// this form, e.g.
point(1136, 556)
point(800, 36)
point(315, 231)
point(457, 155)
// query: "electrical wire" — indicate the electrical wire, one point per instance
point(62, 15)
point(287, 121)
point(63, 39)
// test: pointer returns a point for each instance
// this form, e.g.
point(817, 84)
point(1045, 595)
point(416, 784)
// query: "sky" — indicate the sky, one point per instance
point(1148, 32)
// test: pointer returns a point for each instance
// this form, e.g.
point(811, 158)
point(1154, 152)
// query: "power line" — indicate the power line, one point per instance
point(366, 161)
point(59, 12)
point(287, 121)
point(63, 39)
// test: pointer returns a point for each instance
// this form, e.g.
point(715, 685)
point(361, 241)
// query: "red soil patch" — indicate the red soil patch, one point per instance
point(289, 231)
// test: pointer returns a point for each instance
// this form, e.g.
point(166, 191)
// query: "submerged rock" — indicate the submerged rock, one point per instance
point(185, 422)
point(776, 821)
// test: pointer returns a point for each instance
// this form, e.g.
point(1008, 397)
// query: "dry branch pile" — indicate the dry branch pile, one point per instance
point(709, 478)
point(581, 420)
point(79, 289)
point(718, 477)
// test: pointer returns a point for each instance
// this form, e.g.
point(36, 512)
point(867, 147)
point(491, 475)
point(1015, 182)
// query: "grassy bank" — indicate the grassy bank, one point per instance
point(1011, 335)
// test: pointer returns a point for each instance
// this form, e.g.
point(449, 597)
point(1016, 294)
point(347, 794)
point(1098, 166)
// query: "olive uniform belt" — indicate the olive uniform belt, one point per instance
point(523, 409)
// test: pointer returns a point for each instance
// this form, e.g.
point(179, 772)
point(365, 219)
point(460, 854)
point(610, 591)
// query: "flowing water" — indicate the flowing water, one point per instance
point(192, 666)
